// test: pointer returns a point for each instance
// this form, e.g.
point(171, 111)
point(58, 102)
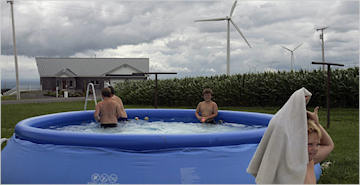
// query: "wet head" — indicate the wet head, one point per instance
point(207, 94)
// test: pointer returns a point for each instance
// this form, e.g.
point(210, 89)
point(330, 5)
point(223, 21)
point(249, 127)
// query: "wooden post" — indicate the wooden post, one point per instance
point(156, 93)
point(328, 88)
point(156, 85)
point(328, 96)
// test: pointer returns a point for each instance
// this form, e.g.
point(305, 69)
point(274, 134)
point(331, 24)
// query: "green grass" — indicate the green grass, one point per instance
point(12, 97)
point(344, 130)
point(11, 114)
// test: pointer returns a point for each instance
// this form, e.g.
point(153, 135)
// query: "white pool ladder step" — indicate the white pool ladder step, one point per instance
point(87, 94)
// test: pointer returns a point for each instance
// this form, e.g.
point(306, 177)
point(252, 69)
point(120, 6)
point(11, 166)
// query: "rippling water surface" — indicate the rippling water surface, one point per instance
point(156, 127)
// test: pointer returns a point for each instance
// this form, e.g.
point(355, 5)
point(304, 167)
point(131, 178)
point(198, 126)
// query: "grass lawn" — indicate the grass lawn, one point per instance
point(344, 130)
point(12, 97)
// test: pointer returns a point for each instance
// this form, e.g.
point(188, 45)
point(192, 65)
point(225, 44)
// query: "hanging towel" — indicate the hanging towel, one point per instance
point(281, 156)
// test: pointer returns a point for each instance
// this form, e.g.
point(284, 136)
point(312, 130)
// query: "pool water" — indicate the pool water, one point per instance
point(156, 127)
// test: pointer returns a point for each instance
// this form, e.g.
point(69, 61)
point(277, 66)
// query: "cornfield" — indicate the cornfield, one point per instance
point(255, 89)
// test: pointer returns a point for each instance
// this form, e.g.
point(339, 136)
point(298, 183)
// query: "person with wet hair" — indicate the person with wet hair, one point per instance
point(123, 115)
point(206, 110)
point(107, 112)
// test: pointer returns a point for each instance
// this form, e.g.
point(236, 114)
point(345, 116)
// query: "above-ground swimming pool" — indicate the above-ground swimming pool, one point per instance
point(37, 154)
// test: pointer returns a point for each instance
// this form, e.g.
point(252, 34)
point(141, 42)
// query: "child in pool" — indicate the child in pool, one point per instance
point(107, 111)
point(320, 145)
point(207, 108)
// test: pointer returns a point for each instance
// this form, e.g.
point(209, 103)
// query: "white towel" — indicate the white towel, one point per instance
point(281, 157)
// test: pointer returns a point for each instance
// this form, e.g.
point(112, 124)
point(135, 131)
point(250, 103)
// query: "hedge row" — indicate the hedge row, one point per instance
point(255, 89)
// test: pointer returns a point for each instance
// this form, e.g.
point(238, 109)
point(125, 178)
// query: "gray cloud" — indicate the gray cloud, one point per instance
point(62, 28)
point(165, 32)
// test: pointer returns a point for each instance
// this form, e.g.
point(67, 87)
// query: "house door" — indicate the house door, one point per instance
point(64, 85)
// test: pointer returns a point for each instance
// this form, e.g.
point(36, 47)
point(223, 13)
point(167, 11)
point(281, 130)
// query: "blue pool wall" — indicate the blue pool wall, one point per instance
point(32, 130)
point(42, 156)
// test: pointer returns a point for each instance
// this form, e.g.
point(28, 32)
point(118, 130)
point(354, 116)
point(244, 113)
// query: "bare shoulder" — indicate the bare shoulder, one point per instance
point(214, 103)
point(199, 106)
point(201, 103)
point(117, 104)
point(117, 99)
point(99, 104)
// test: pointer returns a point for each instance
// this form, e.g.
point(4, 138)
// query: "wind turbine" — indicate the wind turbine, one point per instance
point(292, 54)
point(228, 19)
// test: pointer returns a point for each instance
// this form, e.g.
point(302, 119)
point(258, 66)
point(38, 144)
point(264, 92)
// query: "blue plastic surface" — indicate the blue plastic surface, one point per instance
point(31, 130)
point(36, 155)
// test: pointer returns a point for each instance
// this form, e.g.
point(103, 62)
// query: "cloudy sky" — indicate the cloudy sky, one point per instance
point(165, 32)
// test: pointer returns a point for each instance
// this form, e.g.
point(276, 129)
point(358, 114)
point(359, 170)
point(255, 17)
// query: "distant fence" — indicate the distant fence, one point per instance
point(255, 89)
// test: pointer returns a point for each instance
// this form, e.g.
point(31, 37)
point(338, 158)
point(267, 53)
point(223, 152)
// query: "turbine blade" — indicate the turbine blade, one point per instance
point(232, 8)
point(215, 19)
point(297, 46)
point(240, 33)
point(286, 48)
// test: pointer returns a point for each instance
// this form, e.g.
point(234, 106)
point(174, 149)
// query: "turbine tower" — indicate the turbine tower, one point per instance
point(229, 20)
point(292, 54)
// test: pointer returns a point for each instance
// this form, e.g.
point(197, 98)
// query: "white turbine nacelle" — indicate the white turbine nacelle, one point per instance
point(228, 19)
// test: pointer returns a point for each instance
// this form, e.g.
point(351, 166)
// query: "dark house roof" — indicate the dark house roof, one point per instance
point(90, 67)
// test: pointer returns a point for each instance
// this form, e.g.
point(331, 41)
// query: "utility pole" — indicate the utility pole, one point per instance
point(322, 44)
point(15, 55)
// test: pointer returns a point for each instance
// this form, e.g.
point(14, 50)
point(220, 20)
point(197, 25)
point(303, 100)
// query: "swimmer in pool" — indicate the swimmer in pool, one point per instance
point(206, 110)
point(119, 101)
point(107, 111)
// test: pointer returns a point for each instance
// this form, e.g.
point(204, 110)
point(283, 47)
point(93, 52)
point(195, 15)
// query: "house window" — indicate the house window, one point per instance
point(71, 83)
point(95, 82)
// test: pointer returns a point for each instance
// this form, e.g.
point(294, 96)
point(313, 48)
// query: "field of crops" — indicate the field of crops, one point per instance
point(256, 89)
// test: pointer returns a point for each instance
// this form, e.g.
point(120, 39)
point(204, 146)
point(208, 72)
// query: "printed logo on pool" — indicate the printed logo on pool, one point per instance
point(103, 178)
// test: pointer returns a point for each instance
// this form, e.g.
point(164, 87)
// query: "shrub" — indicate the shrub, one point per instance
point(255, 89)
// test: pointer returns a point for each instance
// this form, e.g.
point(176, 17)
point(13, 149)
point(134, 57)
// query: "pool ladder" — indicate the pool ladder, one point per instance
point(87, 94)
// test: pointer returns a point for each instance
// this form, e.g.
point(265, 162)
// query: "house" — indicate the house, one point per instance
point(73, 74)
